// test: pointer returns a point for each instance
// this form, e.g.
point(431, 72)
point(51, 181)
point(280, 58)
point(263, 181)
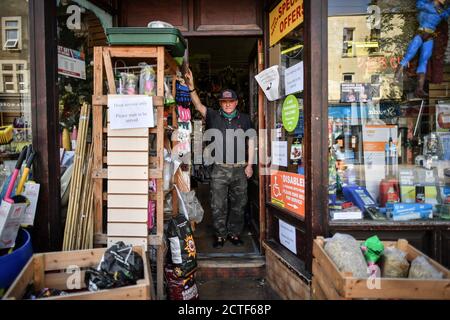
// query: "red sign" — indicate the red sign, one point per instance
point(288, 191)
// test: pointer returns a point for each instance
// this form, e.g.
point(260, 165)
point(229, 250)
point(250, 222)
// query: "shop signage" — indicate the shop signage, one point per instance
point(287, 236)
point(379, 156)
point(280, 153)
point(71, 63)
point(293, 79)
point(286, 16)
point(359, 92)
point(290, 113)
point(14, 102)
point(288, 191)
point(130, 112)
point(269, 81)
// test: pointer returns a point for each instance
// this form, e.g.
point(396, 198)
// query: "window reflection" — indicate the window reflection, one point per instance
point(389, 127)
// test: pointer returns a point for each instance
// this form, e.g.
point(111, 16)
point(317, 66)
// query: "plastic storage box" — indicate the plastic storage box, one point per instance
point(171, 38)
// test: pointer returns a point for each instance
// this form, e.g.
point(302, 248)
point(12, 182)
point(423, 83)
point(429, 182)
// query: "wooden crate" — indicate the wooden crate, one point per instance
point(286, 283)
point(330, 283)
point(51, 270)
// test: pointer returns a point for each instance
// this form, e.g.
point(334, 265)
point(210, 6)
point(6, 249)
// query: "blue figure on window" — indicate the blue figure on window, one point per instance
point(431, 14)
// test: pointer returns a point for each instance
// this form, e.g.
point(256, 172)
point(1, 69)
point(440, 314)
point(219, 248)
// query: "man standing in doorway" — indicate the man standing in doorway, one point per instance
point(228, 178)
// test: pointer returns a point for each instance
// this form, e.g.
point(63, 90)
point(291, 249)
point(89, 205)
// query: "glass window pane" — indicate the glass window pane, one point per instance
point(7, 78)
point(12, 34)
point(15, 104)
point(389, 111)
point(13, 24)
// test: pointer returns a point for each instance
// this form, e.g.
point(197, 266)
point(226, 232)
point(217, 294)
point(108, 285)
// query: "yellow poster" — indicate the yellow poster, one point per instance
point(286, 16)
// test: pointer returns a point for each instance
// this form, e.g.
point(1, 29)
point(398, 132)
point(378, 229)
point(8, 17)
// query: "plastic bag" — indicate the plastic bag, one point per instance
point(159, 24)
point(345, 252)
point(190, 206)
point(180, 289)
point(120, 266)
point(183, 253)
point(168, 171)
point(422, 269)
point(131, 84)
point(147, 80)
point(168, 97)
point(394, 263)
point(168, 208)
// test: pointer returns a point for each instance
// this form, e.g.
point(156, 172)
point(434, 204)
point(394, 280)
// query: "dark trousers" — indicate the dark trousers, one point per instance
point(228, 199)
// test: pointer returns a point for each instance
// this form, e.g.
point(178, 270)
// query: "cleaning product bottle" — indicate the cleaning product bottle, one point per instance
point(66, 140)
point(387, 158)
point(74, 137)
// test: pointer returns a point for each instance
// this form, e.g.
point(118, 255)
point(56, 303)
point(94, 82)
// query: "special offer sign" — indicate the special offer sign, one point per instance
point(286, 16)
point(288, 191)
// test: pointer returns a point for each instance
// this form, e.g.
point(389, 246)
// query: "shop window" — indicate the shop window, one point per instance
point(287, 127)
point(12, 30)
point(389, 112)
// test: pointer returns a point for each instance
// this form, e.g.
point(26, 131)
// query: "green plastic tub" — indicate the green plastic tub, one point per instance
point(171, 38)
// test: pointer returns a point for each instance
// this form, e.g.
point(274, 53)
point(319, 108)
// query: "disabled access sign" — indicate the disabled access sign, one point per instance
point(288, 191)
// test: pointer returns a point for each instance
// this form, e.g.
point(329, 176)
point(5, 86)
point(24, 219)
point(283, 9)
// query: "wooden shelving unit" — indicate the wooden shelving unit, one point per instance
point(122, 164)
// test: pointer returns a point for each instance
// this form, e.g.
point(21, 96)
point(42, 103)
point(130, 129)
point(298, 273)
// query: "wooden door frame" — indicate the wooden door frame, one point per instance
point(47, 231)
point(316, 121)
point(316, 125)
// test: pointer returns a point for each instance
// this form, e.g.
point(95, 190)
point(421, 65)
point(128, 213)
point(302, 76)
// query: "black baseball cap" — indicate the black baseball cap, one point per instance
point(228, 94)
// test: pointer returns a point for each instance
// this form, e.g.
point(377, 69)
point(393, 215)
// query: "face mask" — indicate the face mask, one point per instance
point(229, 116)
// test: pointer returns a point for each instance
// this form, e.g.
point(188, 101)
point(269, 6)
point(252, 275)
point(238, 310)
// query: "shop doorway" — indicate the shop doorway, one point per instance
point(219, 63)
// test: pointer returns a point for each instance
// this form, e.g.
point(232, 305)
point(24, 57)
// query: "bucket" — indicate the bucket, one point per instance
point(12, 264)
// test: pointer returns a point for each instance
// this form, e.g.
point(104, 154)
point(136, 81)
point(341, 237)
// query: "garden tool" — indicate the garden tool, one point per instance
point(26, 171)
point(6, 134)
point(12, 209)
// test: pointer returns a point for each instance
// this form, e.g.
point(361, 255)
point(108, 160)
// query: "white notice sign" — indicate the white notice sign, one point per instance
point(287, 236)
point(293, 79)
point(280, 153)
point(32, 194)
point(130, 111)
point(71, 63)
point(269, 81)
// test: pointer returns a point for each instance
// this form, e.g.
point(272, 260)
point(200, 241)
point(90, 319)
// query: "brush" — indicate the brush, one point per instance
point(6, 134)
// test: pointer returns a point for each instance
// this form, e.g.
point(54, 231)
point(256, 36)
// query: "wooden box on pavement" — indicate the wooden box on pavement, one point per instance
point(331, 284)
point(56, 270)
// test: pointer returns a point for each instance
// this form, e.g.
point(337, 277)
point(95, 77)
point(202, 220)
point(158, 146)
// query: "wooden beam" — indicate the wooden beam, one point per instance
point(47, 231)
point(97, 129)
point(133, 52)
point(316, 125)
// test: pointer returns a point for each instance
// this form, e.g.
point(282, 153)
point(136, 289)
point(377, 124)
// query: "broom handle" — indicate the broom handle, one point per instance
point(11, 186)
point(23, 153)
point(26, 171)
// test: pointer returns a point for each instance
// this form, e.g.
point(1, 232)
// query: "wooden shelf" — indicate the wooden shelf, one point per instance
point(127, 223)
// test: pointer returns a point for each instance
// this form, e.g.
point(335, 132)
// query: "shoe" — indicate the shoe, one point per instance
point(398, 76)
point(219, 242)
point(236, 240)
point(420, 93)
